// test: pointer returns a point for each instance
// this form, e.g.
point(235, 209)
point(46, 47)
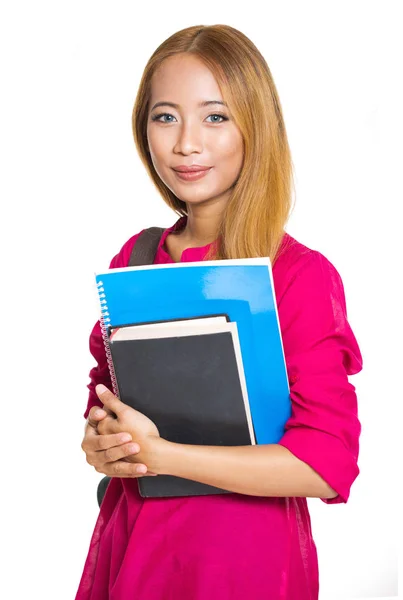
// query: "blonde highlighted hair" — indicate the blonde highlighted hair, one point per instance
point(261, 200)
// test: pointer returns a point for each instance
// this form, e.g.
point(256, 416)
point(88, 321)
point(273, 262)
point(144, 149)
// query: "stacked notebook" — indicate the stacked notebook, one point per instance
point(197, 348)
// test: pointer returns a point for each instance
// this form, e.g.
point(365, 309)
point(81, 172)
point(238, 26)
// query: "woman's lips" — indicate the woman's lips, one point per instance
point(192, 175)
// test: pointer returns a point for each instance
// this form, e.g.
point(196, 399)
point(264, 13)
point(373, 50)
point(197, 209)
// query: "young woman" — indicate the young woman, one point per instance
point(207, 101)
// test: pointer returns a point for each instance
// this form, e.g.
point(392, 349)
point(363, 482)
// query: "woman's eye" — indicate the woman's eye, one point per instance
point(158, 118)
point(219, 116)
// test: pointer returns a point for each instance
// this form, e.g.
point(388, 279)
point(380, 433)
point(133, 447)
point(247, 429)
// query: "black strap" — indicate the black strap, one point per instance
point(143, 253)
point(101, 489)
point(145, 248)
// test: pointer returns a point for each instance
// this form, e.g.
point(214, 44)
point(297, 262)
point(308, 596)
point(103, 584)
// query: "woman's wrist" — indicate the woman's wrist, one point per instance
point(158, 455)
point(154, 453)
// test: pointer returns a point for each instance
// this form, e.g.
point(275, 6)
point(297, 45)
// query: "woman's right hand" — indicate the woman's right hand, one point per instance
point(102, 449)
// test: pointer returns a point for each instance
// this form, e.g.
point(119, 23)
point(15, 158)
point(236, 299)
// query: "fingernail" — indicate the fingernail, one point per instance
point(141, 469)
point(98, 413)
point(126, 438)
point(100, 388)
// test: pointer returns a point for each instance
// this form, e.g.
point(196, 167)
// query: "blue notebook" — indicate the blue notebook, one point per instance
point(241, 289)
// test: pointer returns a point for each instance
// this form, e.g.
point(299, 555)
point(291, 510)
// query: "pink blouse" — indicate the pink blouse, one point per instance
point(235, 546)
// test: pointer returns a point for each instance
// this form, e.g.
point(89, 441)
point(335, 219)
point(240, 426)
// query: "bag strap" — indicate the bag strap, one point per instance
point(145, 247)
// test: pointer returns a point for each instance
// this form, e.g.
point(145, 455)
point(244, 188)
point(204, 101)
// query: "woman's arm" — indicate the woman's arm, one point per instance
point(317, 455)
point(261, 470)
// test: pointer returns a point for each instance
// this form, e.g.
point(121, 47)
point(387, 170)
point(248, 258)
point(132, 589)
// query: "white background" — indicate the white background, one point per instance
point(74, 190)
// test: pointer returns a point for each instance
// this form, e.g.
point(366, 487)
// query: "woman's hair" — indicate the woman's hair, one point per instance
point(260, 202)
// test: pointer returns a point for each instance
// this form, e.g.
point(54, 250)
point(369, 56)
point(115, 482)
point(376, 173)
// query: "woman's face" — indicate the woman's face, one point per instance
point(190, 133)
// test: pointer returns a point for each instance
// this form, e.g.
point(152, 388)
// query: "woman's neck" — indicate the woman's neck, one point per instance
point(200, 230)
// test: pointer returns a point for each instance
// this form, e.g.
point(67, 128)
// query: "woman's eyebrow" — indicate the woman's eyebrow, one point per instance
point(201, 104)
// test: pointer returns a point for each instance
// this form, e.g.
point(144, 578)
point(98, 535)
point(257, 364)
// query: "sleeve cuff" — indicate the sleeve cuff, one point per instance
point(327, 456)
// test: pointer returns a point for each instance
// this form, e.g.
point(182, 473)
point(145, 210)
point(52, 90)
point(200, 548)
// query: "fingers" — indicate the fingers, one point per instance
point(95, 415)
point(110, 400)
point(148, 474)
point(109, 461)
point(123, 469)
point(109, 453)
point(108, 425)
point(116, 453)
point(93, 444)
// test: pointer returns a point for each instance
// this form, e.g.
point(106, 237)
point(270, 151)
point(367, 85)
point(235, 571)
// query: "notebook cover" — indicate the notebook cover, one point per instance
point(243, 289)
point(189, 387)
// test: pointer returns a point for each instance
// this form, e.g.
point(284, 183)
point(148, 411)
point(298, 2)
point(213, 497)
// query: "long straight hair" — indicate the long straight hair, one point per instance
point(260, 202)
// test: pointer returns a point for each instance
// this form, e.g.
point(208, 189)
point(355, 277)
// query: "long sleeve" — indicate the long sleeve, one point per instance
point(321, 351)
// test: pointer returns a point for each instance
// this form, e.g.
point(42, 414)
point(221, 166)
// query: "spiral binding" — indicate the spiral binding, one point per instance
point(105, 322)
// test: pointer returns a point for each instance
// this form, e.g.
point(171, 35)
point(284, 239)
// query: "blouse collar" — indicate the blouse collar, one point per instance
point(194, 254)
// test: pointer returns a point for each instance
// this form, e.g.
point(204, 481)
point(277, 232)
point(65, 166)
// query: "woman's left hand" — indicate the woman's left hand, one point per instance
point(144, 432)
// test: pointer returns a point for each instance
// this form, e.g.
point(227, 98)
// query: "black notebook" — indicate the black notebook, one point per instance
point(186, 376)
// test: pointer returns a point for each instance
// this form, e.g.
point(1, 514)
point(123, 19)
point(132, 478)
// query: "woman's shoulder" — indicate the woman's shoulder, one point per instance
point(292, 256)
point(296, 260)
point(121, 259)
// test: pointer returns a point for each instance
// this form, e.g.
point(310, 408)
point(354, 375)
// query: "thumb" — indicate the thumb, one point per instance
point(110, 401)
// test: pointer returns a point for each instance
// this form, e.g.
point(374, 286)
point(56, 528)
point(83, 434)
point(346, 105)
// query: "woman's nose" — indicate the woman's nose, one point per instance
point(189, 138)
